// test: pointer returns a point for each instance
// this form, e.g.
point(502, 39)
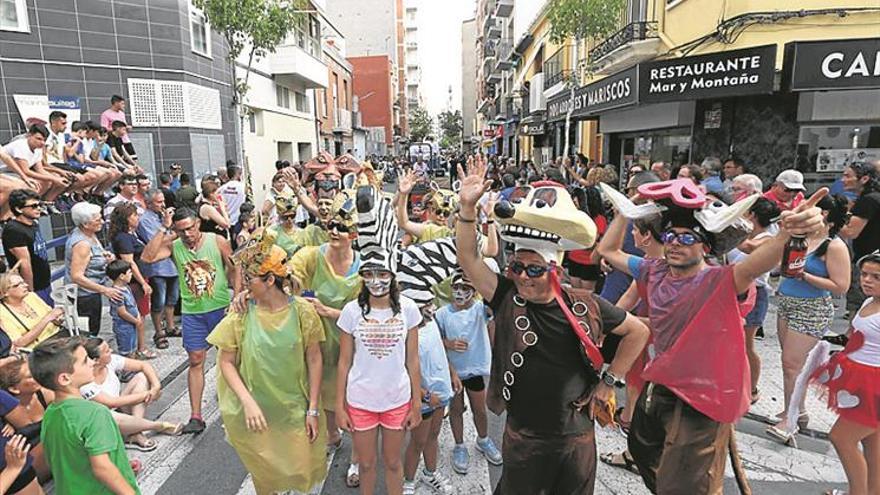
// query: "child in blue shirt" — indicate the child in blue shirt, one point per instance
point(128, 324)
point(463, 325)
point(437, 385)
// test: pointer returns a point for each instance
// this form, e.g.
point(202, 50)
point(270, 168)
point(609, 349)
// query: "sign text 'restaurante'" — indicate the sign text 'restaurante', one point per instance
point(732, 73)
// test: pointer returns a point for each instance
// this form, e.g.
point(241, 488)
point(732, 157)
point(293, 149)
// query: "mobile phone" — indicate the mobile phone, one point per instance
point(308, 293)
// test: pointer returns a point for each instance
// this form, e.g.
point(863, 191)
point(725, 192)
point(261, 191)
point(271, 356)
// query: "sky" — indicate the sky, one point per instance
point(440, 50)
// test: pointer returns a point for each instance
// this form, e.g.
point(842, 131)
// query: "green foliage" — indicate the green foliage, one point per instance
point(420, 124)
point(450, 124)
point(584, 19)
point(259, 25)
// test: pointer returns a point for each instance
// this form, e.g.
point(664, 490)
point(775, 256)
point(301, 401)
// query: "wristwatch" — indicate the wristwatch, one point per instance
point(313, 412)
point(612, 381)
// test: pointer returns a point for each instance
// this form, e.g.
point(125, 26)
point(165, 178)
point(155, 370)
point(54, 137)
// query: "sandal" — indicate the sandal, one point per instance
point(145, 355)
point(784, 437)
point(172, 429)
point(623, 425)
point(148, 446)
point(173, 332)
point(756, 396)
point(160, 341)
point(334, 446)
point(622, 460)
point(353, 477)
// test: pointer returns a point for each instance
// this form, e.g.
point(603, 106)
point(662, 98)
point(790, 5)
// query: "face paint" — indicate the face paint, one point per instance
point(462, 296)
point(378, 287)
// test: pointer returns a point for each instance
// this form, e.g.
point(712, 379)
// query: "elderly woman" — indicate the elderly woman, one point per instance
point(24, 316)
point(85, 262)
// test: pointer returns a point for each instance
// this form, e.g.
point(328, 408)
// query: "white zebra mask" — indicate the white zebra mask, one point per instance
point(542, 217)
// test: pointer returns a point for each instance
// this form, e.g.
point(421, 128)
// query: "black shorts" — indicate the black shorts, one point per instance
point(130, 149)
point(474, 383)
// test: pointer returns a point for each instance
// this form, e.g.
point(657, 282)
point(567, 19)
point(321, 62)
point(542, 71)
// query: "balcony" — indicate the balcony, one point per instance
point(493, 77)
point(634, 43)
point(503, 8)
point(484, 104)
point(342, 120)
point(293, 66)
point(557, 70)
point(357, 120)
point(412, 102)
point(503, 60)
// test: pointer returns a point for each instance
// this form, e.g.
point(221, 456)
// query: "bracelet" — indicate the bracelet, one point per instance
point(313, 413)
point(465, 220)
point(489, 222)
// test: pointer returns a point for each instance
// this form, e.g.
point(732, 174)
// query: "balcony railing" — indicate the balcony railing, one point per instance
point(554, 78)
point(504, 49)
point(503, 8)
point(636, 31)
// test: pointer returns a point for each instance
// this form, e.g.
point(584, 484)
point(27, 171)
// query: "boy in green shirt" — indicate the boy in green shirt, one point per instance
point(83, 445)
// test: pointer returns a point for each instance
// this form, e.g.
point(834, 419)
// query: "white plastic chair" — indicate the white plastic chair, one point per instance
point(65, 296)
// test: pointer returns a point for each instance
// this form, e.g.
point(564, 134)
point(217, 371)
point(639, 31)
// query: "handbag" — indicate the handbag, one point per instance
point(63, 331)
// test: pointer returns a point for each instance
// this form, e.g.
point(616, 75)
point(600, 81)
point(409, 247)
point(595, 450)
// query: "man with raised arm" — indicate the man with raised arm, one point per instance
point(546, 364)
point(697, 376)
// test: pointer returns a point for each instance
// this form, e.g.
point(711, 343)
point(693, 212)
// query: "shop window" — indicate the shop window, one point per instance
point(831, 148)
point(13, 16)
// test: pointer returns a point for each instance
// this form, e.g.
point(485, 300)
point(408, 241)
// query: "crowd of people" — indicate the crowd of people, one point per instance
point(561, 295)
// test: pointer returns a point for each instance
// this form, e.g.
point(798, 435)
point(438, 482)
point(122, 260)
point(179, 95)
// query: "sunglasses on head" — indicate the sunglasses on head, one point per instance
point(338, 227)
point(532, 271)
point(683, 238)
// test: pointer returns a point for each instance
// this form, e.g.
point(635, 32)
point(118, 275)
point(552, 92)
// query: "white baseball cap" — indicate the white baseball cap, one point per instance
point(791, 179)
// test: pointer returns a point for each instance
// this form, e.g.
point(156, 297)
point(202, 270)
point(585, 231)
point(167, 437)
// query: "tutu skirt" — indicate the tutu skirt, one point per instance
point(853, 389)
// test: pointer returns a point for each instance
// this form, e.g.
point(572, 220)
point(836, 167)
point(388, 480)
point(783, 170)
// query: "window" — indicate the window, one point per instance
point(13, 16)
point(302, 102)
point(831, 147)
point(335, 90)
point(200, 32)
point(282, 96)
point(159, 103)
point(345, 94)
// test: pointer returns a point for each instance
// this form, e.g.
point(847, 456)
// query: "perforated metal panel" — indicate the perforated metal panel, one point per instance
point(158, 103)
point(173, 97)
point(144, 103)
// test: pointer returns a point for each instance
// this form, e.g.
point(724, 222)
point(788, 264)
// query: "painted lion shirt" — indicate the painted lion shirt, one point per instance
point(203, 280)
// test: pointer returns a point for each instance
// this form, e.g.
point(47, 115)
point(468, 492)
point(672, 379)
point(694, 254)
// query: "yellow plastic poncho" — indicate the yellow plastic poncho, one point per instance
point(284, 239)
point(310, 268)
point(271, 349)
point(312, 235)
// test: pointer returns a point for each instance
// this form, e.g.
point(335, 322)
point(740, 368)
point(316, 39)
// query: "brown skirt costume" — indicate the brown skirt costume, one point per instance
point(538, 464)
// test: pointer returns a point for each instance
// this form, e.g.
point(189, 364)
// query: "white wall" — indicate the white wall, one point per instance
point(524, 13)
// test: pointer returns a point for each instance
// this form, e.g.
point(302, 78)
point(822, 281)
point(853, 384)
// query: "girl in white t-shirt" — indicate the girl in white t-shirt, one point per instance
point(852, 378)
point(378, 380)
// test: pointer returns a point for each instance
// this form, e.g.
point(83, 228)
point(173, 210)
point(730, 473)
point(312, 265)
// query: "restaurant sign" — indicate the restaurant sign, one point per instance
point(733, 73)
point(611, 92)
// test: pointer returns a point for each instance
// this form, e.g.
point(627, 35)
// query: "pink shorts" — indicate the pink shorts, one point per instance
point(393, 419)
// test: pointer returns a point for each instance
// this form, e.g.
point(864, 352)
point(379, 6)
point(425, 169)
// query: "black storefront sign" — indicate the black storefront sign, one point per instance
point(716, 75)
point(838, 64)
point(614, 91)
point(533, 129)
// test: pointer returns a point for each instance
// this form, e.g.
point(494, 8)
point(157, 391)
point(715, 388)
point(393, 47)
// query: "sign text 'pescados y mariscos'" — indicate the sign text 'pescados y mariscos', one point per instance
point(738, 72)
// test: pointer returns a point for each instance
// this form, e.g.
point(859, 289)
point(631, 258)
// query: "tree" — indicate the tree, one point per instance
point(256, 25)
point(450, 124)
point(582, 20)
point(420, 124)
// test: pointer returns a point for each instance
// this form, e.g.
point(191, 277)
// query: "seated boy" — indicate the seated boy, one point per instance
point(83, 445)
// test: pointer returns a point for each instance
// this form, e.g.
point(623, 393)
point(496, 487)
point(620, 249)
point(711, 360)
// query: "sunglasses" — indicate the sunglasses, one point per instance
point(683, 238)
point(338, 227)
point(532, 271)
point(442, 213)
point(788, 189)
point(32, 205)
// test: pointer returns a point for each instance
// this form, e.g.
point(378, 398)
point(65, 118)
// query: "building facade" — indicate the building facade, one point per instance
point(159, 55)
point(413, 65)
point(375, 28)
point(470, 131)
point(775, 86)
point(335, 103)
point(374, 90)
point(280, 104)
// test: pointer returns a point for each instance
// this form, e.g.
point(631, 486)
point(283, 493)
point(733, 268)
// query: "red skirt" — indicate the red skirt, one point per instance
point(853, 389)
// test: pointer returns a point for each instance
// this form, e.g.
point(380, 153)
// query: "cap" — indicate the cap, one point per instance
point(791, 179)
